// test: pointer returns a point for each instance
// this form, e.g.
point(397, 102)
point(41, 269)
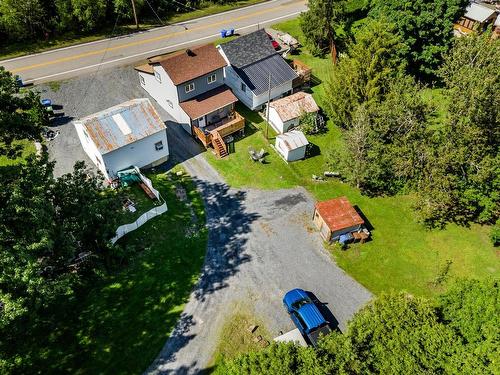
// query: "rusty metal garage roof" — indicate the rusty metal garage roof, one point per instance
point(122, 124)
point(338, 214)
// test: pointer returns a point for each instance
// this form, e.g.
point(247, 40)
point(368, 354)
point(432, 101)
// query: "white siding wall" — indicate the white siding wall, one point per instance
point(141, 154)
point(280, 126)
point(234, 81)
point(288, 125)
point(275, 120)
point(290, 155)
point(163, 93)
point(90, 149)
point(276, 93)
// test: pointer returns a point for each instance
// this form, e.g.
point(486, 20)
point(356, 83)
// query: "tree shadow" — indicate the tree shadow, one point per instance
point(312, 150)
point(228, 226)
point(315, 81)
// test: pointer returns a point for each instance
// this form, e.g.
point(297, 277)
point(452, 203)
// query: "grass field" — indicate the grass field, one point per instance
point(235, 337)
point(28, 148)
point(121, 324)
point(24, 48)
point(403, 255)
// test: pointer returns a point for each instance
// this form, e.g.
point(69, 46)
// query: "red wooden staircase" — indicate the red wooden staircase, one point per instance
point(219, 145)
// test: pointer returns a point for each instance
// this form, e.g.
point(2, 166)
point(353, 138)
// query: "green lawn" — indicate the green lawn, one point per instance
point(71, 38)
point(235, 337)
point(403, 254)
point(121, 324)
point(28, 148)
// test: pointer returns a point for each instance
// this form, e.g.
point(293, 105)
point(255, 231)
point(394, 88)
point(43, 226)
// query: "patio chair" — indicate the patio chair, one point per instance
point(253, 154)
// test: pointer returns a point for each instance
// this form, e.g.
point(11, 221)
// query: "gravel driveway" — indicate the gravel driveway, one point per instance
point(261, 243)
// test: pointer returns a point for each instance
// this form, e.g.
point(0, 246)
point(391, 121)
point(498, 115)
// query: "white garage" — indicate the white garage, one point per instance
point(128, 134)
point(292, 145)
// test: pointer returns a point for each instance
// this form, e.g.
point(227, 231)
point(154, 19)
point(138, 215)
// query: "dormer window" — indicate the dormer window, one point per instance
point(212, 78)
point(189, 87)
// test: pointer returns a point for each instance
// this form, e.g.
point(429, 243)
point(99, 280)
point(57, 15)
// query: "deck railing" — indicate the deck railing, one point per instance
point(228, 126)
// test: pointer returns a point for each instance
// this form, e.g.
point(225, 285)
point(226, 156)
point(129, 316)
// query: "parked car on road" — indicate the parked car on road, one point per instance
point(306, 315)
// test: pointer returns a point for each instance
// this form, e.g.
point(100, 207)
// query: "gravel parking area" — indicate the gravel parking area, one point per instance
point(261, 243)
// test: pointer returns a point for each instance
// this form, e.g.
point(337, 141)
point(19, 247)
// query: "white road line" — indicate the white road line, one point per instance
point(32, 80)
point(137, 33)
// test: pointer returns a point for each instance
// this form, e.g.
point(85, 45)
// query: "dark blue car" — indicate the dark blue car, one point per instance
point(306, 315)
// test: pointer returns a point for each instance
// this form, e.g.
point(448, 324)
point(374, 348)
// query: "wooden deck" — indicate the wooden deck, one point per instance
point(303, 71)
point(218, 131)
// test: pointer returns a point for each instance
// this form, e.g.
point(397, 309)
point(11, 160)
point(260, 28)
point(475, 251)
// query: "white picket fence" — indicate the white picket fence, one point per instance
point(122, 230)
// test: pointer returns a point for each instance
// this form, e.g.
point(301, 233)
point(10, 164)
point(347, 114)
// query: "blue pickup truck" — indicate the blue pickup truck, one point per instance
point(306, 315)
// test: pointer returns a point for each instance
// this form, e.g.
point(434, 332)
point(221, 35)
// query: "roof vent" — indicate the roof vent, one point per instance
point(190, 52)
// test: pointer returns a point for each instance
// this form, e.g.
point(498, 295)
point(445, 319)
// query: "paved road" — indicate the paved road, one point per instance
point(261, 243)
point(72, 61)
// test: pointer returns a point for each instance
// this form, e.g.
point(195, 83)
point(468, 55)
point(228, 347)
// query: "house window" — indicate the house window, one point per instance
point(141, 78)
point(169, 102)
point(158, 76)
point(243, 87)
point(212, 78)
point(159, 146)
point(189, 87)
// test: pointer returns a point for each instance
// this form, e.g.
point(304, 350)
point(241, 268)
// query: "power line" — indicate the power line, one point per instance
point(156, 14)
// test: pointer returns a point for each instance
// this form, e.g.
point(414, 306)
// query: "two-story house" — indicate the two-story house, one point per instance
point(189, 85)
point(254, 68)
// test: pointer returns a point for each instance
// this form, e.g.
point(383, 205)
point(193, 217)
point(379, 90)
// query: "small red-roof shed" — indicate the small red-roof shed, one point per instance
point(336, 217)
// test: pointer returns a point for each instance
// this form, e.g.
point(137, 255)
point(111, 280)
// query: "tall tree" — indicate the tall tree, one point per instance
point(385, 146)
point(372, 61)
point(463, 182)
point(472, 309)
point(425, 27)
point(22, 19)
point(21, 115)
point(54, 234)
point(320, 24)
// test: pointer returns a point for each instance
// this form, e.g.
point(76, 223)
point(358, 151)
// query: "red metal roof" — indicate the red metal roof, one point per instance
point(338, 213)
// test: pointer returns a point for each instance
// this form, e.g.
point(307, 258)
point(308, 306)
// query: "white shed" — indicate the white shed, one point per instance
point(284, 113)
point(292, 145)
point(128, 134)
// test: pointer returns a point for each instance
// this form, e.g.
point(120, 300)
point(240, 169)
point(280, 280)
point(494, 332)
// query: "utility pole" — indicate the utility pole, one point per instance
point(135, 15)
point(267, 109)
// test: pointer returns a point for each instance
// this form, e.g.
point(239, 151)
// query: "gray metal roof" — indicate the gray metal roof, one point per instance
point(256, 75)
point(479, 12)
point(122, 124)
point(293, 139)
point(248, 49)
